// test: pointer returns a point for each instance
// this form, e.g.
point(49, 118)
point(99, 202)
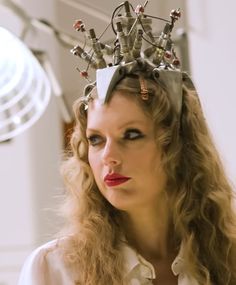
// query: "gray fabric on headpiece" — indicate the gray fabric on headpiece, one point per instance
point(169, 80)
point(107, 78)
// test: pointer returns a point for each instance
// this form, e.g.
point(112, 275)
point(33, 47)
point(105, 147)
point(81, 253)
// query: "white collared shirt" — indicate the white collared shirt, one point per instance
point(45, 266)
point(141, 272)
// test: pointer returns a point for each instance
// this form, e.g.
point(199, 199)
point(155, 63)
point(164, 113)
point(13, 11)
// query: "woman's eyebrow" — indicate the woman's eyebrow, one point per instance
point(92, 130)
point(132, 122)
point(122, 126)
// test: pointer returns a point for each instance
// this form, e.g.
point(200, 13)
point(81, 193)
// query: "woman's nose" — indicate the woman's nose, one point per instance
point(111, 154)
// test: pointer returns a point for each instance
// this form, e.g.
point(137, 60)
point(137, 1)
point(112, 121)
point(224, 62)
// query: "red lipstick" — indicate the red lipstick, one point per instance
point(115, 179)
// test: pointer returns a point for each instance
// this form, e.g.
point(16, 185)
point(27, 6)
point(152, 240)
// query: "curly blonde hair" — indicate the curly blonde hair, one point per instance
point(200, 196)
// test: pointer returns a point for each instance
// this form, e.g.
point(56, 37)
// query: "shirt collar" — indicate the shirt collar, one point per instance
point(178, 263)
point(133, 259)
point(130, 256)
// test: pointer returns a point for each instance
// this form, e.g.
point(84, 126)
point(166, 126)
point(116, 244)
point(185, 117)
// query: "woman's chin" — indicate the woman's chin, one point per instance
point(119, 199)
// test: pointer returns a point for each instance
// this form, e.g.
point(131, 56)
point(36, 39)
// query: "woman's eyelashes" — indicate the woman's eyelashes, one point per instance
point(133, 134)
point(128, 135)
point(94, 140)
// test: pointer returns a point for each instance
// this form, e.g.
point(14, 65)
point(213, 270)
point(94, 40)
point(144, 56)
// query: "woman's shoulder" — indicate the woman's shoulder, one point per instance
point(43, 250)
point(45, 265)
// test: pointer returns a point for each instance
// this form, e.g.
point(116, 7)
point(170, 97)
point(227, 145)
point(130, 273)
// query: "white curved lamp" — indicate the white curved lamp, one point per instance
point(24, 87)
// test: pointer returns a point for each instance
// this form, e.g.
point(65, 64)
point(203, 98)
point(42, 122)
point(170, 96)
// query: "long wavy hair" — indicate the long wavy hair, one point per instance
point(200, 195)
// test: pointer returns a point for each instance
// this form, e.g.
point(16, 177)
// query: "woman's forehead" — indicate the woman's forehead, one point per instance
point(121, 109)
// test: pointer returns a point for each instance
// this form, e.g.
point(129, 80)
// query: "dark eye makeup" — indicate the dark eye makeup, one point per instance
point(94, 139)
point(129, 134)
point(133, 134)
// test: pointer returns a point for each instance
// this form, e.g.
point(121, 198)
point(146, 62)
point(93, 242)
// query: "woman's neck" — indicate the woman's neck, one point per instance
point(149, 231)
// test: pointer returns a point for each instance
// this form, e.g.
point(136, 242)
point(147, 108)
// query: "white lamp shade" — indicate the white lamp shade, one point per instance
point(24, 87)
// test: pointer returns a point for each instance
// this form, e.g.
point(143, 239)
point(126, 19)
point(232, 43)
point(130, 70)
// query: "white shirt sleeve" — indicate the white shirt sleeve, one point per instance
point(45, 266)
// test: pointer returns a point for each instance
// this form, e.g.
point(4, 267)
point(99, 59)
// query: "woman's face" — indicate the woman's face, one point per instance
point(123, 155)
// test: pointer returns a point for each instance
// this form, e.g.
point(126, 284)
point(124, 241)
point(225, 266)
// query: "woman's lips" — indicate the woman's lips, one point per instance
point(115, 179)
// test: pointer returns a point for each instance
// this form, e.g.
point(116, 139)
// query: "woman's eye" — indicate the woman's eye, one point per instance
point(94, 140)
point(133, 134)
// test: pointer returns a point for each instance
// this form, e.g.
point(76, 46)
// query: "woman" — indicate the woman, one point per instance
point(144, 187)
point(148, 201)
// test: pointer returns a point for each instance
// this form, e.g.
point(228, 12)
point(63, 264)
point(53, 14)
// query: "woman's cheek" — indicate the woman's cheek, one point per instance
point(94, 161)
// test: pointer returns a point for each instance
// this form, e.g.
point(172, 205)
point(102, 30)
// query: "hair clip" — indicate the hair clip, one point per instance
point(143, 87)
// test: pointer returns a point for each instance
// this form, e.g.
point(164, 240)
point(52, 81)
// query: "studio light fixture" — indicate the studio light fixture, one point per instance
point(24, 87)
point(27, 78)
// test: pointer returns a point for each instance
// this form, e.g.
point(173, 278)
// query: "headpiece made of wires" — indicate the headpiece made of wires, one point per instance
point(134, 39)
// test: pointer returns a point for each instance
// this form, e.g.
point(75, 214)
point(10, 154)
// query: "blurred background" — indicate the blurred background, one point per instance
point(30, 184)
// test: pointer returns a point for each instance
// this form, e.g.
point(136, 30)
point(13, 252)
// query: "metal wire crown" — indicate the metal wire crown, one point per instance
point(132, 29)
point(135, 49)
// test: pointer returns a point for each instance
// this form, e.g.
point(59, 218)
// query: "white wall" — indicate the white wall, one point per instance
point(29, 181)
point(211, 30)
point(29, 185)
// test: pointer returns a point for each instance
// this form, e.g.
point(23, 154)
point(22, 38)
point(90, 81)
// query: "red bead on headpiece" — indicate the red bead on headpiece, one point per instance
point(79, 25)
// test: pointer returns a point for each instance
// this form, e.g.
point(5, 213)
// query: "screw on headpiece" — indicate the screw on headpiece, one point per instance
point(132, 30)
